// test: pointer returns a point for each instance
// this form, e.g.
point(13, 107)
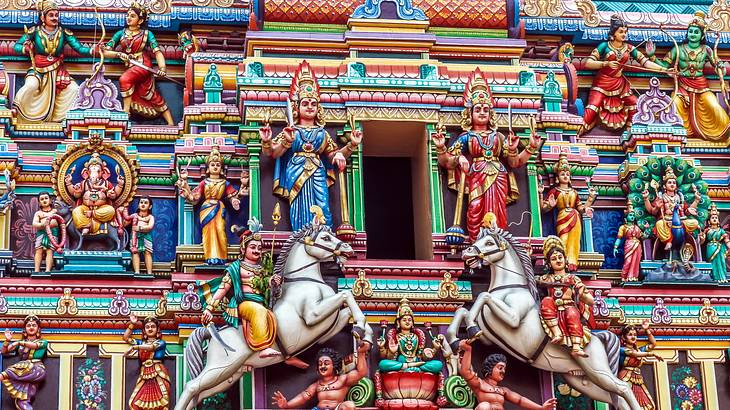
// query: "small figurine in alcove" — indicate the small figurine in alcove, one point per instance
point(43, 243)
point(142, 235)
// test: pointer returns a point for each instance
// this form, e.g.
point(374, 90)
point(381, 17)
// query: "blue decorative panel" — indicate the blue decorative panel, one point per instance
point(605, 228)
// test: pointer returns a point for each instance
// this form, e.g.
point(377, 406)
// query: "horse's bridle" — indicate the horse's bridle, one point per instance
point(336, 251)
point(501, 248)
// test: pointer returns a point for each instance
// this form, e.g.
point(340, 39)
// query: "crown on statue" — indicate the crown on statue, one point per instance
point(94, 160)
point(214, 156)
point(669, 174)
point(563, 164)
point(699, 20)
point(477, 91)
point(46, 5)
point(552, 243)
point(713, 210)
point(404, 309)
point(304, 84)
point(141, 7)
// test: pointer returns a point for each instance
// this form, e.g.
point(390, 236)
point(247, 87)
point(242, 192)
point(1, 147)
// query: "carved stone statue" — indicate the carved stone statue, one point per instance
point(331, 387)
point(717, 243)
point(210, 193)
point(490, 395)
point(142, 240)
point(406, 347)
point(43, 242)
point(485, 156)
point(152, 391)
point(95, 194)
point(49, 91)
point(137, 83)
point(633, 358)
point(22, 379)
point(306, 155)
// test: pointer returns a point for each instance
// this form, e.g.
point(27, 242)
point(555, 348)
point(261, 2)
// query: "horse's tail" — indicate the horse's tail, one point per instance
point(613, 348)
point(194, 351)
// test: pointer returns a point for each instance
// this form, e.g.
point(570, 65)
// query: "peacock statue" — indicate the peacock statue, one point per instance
point(650, 177)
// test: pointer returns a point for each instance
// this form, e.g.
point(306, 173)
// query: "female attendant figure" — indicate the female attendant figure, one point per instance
point(21, 380)
point(632, 235)
point(305, 153)
point(137, 84)
point(152, 391)
point(490, 184)
point(570, 209)
point(611, 100)
point(696, 103)
point(211, 191)
point(632, 358)
point(718, 242)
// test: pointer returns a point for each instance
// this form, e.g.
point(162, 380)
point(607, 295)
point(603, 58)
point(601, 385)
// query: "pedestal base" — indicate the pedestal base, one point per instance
point(94, 263)
point(676, 271)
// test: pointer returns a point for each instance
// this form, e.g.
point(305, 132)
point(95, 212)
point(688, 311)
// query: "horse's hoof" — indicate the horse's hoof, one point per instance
point(358, 333)
point(474, 332)
point(455, 346)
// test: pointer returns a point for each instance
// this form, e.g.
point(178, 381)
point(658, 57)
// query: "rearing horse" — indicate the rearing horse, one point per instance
point(508, 316)
point(308, 312)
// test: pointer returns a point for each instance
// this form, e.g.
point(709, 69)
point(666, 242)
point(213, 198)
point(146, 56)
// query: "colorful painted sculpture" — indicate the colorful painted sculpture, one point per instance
point(331, 387)
point(632, 358)
point(490, 184)
point(718, 242)
point(490, 395)
point(49, 91)
point(152, 391)
point(507, 316)
point(306, 155)
point(246, 285)
point(611, 99)
point(142, 240)
point(22, 379)
point(567, 302)
point(696, 103)
point(43, 243)
point(672, 227)
point(406, 349)
point(137, 84)
point(95, 194)
point(631, 235)
point(211, 192)
point(308, 311)
point(568, 222)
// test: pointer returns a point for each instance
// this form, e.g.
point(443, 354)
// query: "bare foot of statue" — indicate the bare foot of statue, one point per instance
point(296, 362)
point(579, 353)
point(85, 231)
point(269, 352)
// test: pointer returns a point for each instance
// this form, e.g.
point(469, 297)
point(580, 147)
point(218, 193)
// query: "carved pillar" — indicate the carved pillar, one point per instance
point(661, 377)
point(355, 197)
point(115, 351)
point(66, 374)
point(535, 198)
point(438, 224)
point(186, 225)
point(587, 237)
point(253, 143)
point(707, 360)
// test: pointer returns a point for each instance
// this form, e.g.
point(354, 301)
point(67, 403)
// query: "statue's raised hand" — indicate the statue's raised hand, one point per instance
point(339, 161)
point(279, 400)
point(133, 319)
point(392, 345)
point(289, 134)
point(28, 47)
point(8, 334)
point(69, 177)
point(245, 178)
point(364, 347)
point(356, 137)
point(552, 201)
point(275, 281)
point(645, 193)
point(236, 203)
point(513, 141)
point(650, 48)
point(439, 139)
point(206, 317)
point(265, 133)
point(120, 179)
point(550, 404)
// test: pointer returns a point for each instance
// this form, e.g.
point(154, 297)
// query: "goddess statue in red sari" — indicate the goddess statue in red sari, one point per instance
point(137, 84)
point(490, 183)
point(610, 100)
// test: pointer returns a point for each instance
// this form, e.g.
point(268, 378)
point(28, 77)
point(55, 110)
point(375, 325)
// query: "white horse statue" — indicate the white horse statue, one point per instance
point(507, 315)
point(308, 312)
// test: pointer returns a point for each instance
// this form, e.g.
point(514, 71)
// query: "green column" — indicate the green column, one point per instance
point(246, 391)
point(250, 136)
point(597, 405)
point(355, 197)
point(438, 224)
point(535, 199)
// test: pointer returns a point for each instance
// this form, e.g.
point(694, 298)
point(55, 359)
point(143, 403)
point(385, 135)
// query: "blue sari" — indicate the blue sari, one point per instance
point(304, 173)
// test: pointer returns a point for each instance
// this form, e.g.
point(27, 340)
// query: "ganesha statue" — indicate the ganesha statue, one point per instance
point(94, 183)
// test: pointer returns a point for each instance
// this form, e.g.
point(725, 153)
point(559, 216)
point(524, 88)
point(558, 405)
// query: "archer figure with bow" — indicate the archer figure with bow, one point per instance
point(48, 91)
point(135, 45)
point(696, 103)
point(611, 101)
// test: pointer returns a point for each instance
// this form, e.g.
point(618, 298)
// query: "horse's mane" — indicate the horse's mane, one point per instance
point(521, 254)
point(306, 230)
